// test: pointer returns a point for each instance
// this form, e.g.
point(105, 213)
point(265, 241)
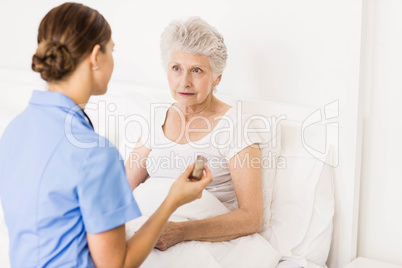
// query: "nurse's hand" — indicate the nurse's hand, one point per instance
point(184, 190)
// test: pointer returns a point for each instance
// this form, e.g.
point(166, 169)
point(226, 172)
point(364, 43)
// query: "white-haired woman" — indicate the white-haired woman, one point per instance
point(194, 56)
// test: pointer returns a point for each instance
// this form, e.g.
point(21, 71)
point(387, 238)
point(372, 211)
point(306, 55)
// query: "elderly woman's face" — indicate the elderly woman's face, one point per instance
point(190, 78)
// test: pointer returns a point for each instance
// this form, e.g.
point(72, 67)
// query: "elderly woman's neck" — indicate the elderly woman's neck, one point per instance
point(203, 108)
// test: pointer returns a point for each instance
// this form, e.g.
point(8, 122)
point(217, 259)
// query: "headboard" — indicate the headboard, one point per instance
point(16, 87)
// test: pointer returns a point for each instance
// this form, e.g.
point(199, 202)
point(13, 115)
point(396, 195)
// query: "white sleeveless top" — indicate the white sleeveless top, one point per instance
point(169, 159)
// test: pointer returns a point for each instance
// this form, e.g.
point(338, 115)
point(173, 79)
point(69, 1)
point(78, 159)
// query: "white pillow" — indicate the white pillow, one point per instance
point(317, 241)
point(271, 153)
point(302, 210)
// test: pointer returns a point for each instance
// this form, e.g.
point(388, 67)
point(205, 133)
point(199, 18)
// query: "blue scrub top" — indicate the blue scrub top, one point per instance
point(58, 181)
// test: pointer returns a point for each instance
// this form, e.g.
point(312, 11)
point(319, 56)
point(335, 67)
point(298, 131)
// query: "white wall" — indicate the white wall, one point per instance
point(304, 52)
point(380, 233)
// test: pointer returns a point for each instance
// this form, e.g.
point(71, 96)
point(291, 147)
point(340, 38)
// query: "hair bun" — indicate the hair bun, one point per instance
point(52, 60)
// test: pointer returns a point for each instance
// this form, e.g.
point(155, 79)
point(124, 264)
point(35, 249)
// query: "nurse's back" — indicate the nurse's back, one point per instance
point(40, 163)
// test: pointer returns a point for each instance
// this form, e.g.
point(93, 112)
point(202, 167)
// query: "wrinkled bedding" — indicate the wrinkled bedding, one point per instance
point(248, 251)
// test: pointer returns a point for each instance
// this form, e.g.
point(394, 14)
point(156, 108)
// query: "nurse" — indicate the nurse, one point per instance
point(65, 203)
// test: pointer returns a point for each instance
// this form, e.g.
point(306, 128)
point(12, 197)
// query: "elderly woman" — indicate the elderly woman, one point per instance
point(194, 56)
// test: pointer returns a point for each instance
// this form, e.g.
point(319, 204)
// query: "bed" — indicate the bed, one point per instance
point(306, 213)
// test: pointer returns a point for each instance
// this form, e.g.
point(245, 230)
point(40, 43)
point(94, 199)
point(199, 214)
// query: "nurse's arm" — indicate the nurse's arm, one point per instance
point(110, 249)
point(136, 171)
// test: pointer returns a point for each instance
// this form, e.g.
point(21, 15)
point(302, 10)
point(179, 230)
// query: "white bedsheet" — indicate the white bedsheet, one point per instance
point(248, 251)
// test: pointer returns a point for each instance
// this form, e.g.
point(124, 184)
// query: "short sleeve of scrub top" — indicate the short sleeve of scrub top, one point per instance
point(105, 200)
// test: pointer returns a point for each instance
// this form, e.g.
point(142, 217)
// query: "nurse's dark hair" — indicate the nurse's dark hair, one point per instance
point(66, 35)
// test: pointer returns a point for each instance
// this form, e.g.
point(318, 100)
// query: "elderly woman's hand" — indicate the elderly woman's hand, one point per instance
point(171, 235)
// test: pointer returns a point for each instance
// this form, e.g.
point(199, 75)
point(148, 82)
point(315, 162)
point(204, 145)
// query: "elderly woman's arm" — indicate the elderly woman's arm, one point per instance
point(136, 171)
point(247, 219)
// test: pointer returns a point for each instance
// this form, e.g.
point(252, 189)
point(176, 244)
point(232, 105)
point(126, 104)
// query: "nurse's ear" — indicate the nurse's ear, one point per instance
point(93, 57)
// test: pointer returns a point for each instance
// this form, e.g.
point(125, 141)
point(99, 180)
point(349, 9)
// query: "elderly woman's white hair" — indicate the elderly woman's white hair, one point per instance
point(194, 36)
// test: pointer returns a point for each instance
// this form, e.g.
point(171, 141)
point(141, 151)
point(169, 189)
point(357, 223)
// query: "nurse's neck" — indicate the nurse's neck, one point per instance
point(78, 85)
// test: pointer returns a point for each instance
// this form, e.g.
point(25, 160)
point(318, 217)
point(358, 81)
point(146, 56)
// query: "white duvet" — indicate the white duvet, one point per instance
point(248, 251)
